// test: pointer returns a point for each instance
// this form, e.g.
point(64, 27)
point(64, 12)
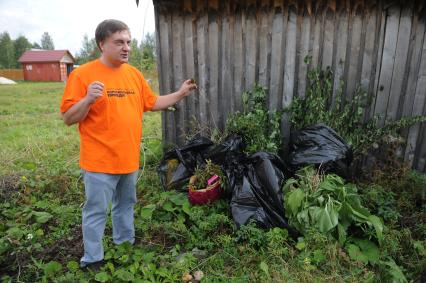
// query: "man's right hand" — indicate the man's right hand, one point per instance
point(94, 91)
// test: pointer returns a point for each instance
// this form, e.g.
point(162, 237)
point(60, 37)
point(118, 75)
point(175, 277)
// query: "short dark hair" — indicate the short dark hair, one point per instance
point(108, 27)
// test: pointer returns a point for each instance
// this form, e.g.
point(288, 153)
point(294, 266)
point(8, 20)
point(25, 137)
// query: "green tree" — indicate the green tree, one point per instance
point(47, 42)
point(148, 51)
point(135, 55)
point(89, 51)
point(36, 46)
point(7, 52)
point(21, 45)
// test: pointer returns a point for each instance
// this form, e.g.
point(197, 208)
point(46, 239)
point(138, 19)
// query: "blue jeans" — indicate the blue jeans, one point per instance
point(100, 190)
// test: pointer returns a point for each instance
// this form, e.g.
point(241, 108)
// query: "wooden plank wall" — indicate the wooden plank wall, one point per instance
point(227, 46)
point(12, 74)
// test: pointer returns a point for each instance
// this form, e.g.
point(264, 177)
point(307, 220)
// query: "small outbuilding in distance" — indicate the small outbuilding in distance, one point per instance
point(47, 65)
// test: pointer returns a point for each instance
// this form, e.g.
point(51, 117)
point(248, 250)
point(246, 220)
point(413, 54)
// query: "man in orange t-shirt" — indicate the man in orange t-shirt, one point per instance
point(107, 98)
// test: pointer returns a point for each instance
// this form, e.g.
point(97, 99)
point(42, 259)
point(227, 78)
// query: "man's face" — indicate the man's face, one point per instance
point(116, 48)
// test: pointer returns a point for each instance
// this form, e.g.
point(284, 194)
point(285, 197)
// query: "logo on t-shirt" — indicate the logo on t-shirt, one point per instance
point(119, 92)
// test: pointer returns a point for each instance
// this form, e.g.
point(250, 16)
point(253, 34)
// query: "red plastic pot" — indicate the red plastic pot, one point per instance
point(204, 196)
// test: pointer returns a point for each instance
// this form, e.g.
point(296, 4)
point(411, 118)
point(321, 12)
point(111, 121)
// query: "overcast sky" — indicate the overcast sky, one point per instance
point(68, 20)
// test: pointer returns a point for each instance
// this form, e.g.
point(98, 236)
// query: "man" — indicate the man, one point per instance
point(107, 98)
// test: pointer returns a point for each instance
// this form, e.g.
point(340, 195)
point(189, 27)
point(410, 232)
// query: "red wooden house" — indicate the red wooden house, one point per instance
point(47, 65)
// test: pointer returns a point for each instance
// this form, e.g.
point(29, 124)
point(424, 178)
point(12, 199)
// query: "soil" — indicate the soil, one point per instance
point(9, 187)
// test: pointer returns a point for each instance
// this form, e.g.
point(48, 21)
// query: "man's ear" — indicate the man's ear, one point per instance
point(101, 46)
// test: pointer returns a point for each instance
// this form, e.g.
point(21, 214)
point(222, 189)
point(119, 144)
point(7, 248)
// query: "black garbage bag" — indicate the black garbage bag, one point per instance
point(257, 191)
point(232, 147)
point(179, 164)
point(322, 147)
point(253, 183)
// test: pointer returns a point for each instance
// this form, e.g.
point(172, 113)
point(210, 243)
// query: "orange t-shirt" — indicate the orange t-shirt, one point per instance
point(110, 134)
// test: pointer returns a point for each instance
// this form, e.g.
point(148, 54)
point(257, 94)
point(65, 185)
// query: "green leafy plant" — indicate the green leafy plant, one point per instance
point(329, 205)
point(381, 201)
point(202, 175)
point(323, 104)
point(259, 126)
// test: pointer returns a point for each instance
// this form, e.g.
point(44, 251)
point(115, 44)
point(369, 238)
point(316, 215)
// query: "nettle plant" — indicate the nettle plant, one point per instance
point(259, 127)
point(327, 205)
point(202, 175)
point(345, 117)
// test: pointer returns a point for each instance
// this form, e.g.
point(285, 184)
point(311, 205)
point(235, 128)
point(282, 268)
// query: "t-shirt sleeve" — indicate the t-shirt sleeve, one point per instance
point(148, 96)
point(74, 91)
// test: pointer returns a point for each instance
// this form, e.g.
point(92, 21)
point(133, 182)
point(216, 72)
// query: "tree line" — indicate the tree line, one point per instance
point(142, 54)
point(11, 50)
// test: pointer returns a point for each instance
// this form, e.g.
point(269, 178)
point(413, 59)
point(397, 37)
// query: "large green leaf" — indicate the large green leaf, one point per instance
point(186, 207)
point(264, 267)
point(378, 226)
point(15, 233)
point(355, 253)
point(73, 266)
point(369, 249)
point(294, 201)
point(364, 251)
point(147, 211)
point(41, 216)
point(168, 206)
point(327, 218)
point(101, 277)
point(358, 214)
point(394, 273)
point(341, 230)
point(51, 268)
point(178, 199)
point(124, 275)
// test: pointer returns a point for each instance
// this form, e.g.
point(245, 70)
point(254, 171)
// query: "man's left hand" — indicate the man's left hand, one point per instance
point(187, 86)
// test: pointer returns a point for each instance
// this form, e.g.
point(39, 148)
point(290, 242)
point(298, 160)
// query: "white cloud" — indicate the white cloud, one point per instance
point(68, 21)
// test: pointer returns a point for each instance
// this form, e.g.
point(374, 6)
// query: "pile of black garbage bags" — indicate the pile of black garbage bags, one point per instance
point(254, 182)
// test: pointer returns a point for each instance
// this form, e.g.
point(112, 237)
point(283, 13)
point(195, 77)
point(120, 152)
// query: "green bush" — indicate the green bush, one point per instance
point(322, 104)
point(259, 127)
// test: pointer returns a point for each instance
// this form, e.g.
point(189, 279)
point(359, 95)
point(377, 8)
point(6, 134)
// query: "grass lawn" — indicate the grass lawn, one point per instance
point(41, 194)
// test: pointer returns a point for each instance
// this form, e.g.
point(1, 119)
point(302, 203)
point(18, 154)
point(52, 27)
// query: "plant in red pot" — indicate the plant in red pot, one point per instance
point(205, 186)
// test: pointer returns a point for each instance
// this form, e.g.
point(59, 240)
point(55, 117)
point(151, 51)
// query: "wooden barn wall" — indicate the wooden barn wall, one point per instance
point(227, 46)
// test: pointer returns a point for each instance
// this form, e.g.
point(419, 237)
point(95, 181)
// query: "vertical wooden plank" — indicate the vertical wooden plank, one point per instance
point(378, 58)
point(265, 48)
point(327, 57)
point(420, 165)
point(388, 61)
point(178, 70)
point(238, 56)
point(416, 43)
point(304, 52)
point(299, 20)
point(160, 58)
point(289, 70)
point(226, 67)
point(169, 134)
point(400, 63)
point(367, 56)
point(353, 54)
point(202, 58)
point(339, 58)
point(277, 52)
point(290, 59)
point(417, 36)
point(190, 62)
point(251, 38)
point(316, 39)
point(420, 152)
point(213, 61)
point(418, 109)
